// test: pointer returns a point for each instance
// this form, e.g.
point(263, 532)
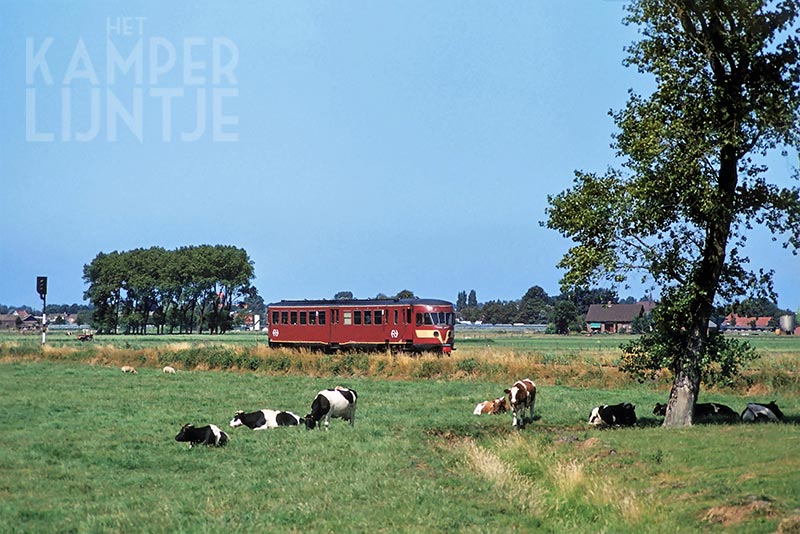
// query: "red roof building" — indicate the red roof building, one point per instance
point(738, 323)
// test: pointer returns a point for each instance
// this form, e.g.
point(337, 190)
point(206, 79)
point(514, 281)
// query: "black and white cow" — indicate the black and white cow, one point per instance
point(623, 414)
point(521, 395)
point(209, 435)
point(705, 410)
point(755, 413)
point(263, 419)
point(336, 402)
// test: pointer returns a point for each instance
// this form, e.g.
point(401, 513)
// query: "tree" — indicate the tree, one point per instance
point(694, 179)
point(535, 306)
point(405, 294)
point(189, 286)
point(461, 301)
point(564, 316)
point(472, 299)
point(343, 295)
point(583, 297)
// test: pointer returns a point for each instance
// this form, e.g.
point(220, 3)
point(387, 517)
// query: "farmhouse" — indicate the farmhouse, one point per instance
point(736, 323)
point(8, 321)
point(615, 318)
point(19, 320)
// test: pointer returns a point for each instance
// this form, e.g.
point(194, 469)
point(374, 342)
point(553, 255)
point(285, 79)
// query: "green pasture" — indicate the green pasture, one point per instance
point(89, 449)
point(520, 340)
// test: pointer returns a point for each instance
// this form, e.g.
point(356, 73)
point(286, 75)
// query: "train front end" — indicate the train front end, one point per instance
point(434, 328)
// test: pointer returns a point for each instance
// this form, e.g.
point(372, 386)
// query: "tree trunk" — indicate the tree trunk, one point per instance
point(682, 398)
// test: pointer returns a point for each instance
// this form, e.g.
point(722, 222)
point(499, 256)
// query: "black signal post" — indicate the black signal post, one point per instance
point(41, 288)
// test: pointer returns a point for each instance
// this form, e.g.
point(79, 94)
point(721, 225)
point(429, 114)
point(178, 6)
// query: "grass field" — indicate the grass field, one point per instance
point(89, 449)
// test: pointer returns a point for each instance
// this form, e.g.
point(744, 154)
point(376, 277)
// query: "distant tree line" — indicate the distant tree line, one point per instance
point(564, 313)
point(185, 290)
point(567, 311)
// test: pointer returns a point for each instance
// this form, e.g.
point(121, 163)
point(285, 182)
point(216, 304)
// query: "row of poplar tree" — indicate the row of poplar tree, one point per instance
point(186, 290)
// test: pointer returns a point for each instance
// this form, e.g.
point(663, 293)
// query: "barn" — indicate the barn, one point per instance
point(615, 318)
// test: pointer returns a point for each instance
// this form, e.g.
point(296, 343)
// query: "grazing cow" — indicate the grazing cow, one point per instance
point(337, 402)
point(755, 413)
point(168, 370)
point(493, 407)
point(521, 395)
point(706, 410)
point(128, 369)
point(209, 435)
point(264, 419)
point(622, 414)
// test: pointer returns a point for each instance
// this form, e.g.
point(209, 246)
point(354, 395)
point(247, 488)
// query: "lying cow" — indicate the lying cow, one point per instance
point(755, 413)
point(337, 402)
point(493, 407)
point(623, 414)
point(705, 410)
point(263, 419)
point(209, 435)
point(521, 395)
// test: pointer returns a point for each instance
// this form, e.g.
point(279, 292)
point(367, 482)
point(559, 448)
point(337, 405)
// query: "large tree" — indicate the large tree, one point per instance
point(693, 180)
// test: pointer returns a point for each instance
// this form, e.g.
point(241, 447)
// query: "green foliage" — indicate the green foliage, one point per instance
point(721, 362)
point(187, 288)
point(564, 316)
point(469, 366)
point(642, 324)
point(693, 182)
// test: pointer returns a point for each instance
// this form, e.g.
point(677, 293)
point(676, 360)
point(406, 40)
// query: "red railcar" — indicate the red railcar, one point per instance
point(393, 324)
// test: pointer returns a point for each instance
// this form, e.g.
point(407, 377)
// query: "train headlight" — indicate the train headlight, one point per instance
point(435, 333)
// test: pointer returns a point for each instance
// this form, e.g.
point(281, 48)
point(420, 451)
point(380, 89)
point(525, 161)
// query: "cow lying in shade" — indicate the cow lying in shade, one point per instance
point(337, 402)
point(521, 395)
point(493, 407)
point(623, 414)
point(209, 435)
point(263, 419)
point(755, 413)
point(705, 410)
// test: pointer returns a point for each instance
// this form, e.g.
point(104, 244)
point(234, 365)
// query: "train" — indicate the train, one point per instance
point(400, 325)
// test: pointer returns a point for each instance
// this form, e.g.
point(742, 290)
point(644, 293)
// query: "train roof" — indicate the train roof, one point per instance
point(359, 302)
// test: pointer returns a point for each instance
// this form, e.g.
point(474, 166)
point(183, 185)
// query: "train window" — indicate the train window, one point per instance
point(419, 319)
point(335, 316)
point(368, 317)
point(357, 317)
point(408, 316)
point(276, 317)
point(284, 317)
point(348, 318)
point(395, 317)
point(312, 317)
point(322, 317)
point(293, 317)
point(378, 316)
point(303, 318)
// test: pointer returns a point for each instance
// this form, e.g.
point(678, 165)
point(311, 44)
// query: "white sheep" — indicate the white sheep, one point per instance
point(169, 370)
point(128, 369)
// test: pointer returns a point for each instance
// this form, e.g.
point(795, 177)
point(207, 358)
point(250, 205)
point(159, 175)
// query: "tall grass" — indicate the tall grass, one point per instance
point(549, 360)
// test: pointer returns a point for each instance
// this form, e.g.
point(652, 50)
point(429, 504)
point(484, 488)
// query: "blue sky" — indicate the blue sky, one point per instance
point(360, 146)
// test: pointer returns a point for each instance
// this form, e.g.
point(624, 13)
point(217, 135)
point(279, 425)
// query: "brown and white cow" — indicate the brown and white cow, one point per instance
point(521, 395)
point(493, 407)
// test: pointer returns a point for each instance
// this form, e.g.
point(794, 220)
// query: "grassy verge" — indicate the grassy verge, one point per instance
point(89, 449)
point(551, 360)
